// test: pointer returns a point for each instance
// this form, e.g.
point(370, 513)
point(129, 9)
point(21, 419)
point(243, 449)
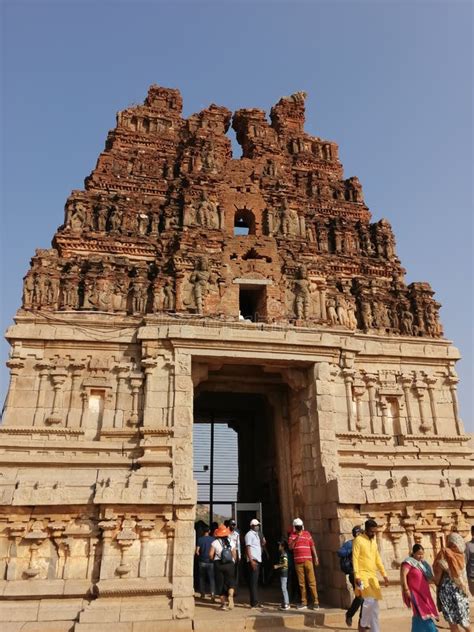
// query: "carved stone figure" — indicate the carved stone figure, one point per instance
point(70, 293)
point(351, 314)
point(341, 311)
point(119, 295)
point(207, 214)
point(142, 223)
point(115, 219)
point(76, 215)
point(407, 322)
point(169, 298)
point(200, 282)
point(302, 295)
point(139, 296)
point(101, 218)
point(323, 241)
point(28, 290)
point(331, 311)
point(289, 221)
point(366, 314)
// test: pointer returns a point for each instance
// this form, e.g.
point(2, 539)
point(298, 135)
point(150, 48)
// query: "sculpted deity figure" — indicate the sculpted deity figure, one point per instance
point(169, 298)
point(341, 311)
point(200, 281)
point(366, 314)
point(115, 219)
point(52, 291)
point(104, 295)
point(90, 294)
point(433, 327)
point(289, 220)
point(139, 296)
point(302, 294)
point(76, 215)
point(142, 223)
point(331, 311)
point(269, 169)
point(28, 290)
point(70, 293)
point(351, 314)
point(207, 213)
point(407, 322)
point(365, 241)
point(101, 218)
point(380, 315)
point(119, 295)
point(208, 159)
point(323, 242)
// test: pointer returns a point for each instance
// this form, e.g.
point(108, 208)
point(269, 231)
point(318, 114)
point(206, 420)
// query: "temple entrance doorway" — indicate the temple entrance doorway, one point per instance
point(245, 462)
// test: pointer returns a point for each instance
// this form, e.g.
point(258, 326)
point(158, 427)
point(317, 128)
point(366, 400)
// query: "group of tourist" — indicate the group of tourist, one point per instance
point(219, 555)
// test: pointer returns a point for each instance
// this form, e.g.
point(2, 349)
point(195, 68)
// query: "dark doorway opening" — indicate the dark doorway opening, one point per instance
point(252, 303)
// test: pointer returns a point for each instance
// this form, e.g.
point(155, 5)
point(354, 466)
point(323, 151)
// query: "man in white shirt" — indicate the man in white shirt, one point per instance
point(253, 550)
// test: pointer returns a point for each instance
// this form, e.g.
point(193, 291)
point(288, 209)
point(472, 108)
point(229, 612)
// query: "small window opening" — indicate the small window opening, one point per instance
point(251, 301)
point(244, 222)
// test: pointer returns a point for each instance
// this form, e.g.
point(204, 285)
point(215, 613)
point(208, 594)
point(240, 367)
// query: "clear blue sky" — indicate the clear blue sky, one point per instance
point(391, 82)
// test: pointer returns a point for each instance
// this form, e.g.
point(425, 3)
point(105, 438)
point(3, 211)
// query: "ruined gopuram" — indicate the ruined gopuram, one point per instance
point(184, 280)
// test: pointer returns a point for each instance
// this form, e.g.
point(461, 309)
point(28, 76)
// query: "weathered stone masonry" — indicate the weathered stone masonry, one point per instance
point(135, 309)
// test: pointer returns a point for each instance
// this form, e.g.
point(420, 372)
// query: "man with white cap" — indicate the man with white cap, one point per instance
point(253, 550)
point(305, 558)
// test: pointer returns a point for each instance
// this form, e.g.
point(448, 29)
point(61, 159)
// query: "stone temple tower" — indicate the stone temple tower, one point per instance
point(181, 281)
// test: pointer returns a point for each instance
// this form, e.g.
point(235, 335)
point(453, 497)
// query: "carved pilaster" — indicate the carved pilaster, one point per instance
point(371, 380)
point(359, 390)
point(108, 528)
point(149, 365)
point(420, 390)
point(44, 369)
point(430, 382)
point(15, 365)
point(120, 394)
point(348, 375)
point(73, 415)
point(406, 382)
point(453, 380)
point(145, 528)
point(58, 378)
point(136, 381)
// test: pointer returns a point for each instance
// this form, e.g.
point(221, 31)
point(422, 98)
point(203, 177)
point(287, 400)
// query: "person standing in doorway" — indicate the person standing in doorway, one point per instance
point(345, 560)
point(205, 565)
point(282, 566)
point(235, 538)
point(366, 561)
point(470, 562)
point(305, 558)
point(253, 550)
point(222, 554)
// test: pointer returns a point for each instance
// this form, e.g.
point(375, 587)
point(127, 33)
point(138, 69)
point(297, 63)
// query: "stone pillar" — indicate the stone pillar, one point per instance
point(56, 417)
point(120, 395)
point(453, 380)
point(108, 527)
point(430, 382)
point(407, 381)
point(371, 380)
point(15, 532)
point(359, 390)
point(136, 381)
point(145, 527)
point(15, 365)
point(149, 365)
point(348, 375)
point(75, 404)
point(43, 368)
point(420, 390)
point(383, 407)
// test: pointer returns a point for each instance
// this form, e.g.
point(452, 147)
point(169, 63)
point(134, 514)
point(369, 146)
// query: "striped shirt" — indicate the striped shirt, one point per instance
point(302, 547)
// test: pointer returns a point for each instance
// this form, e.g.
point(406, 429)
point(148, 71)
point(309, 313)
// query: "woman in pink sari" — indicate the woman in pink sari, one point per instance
point(415, 575)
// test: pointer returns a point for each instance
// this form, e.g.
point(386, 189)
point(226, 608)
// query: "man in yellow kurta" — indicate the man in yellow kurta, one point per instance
point(366, 561)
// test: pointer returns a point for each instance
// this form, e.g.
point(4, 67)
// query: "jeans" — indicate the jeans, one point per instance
point(284, 590)
point(356, 602)
point(253, 583)
point(305, 571)
point(206, 570)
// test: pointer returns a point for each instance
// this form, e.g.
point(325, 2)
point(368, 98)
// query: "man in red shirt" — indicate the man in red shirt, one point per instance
point(301, 544)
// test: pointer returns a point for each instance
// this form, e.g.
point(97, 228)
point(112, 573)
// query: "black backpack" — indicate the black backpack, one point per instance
point(226, 555)
point(346, 564)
